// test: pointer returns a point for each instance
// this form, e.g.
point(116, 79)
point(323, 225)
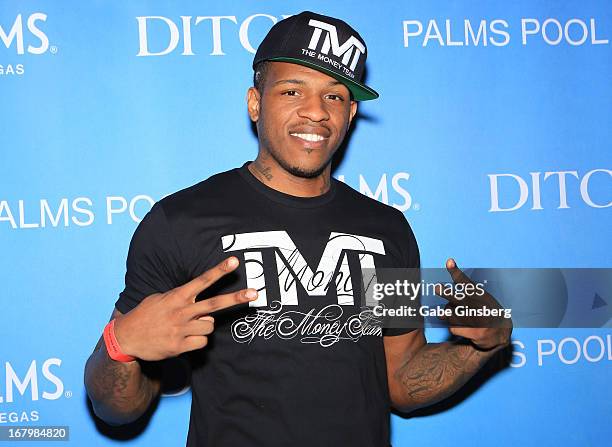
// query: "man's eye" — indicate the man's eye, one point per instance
point(290, 93)
point(335, 97)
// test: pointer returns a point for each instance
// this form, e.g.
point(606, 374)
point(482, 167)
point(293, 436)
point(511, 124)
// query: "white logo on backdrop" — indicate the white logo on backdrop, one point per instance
point(18, 382)
point(559, 181)
point(195, 33)
point(84, 211)
point(16, 34)
point(24, 35)
point(499, 32)
point(567, 351)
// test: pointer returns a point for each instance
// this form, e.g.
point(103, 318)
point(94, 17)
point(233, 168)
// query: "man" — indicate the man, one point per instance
point(275, 250)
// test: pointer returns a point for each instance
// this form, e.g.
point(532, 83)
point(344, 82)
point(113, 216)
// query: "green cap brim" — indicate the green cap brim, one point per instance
point(360, 92)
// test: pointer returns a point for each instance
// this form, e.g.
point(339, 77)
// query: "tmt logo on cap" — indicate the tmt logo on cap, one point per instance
point(322, 43)
point(331, 42)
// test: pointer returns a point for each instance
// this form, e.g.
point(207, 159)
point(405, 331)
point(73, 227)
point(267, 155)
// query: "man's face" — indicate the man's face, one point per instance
point(302, 117)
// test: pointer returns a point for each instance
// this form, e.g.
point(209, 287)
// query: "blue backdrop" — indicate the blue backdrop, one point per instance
point(492, 134)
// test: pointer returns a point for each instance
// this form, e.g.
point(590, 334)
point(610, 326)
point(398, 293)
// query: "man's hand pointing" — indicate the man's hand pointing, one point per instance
point(485, 332)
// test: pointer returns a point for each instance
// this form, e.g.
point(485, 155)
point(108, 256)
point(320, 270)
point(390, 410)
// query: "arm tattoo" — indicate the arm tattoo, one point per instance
point(120, 392)
point(437, 370)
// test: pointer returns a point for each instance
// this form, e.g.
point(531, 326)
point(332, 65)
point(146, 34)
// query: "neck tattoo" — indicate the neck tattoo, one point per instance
point(264, 171)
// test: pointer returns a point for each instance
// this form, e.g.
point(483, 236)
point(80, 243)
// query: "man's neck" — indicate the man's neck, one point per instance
point(274, 176)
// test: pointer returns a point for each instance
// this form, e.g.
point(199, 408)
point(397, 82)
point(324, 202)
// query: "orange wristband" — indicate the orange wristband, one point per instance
point(112, 345)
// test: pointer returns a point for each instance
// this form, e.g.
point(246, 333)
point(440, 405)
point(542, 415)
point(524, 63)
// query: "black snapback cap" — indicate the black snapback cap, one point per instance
point(322, 43)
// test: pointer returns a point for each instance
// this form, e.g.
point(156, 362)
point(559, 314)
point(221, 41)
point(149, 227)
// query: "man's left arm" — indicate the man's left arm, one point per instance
point(421, 373)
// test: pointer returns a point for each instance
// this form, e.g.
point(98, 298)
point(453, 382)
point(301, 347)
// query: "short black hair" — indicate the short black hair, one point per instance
point(259, 75)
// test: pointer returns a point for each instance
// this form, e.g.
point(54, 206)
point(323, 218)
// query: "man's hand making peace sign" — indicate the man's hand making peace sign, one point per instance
point(162, 326)
point(167, 324)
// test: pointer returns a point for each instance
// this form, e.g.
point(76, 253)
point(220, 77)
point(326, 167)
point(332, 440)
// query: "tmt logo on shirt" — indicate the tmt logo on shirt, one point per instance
point(291, 266)
point(352, 47)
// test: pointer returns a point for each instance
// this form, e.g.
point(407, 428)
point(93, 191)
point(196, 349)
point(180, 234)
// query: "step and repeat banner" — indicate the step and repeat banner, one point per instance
point(492, 134)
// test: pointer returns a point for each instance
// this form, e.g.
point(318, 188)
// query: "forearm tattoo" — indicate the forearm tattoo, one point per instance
point(117, 389)
point(438, 370)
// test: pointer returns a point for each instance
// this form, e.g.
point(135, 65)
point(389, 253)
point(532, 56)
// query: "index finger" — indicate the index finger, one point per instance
point(203, 281)
point(219, 302)
point(456, 273)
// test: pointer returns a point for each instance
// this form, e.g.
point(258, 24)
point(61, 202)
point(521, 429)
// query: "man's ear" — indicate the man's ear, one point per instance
point(253, 103)
point(353, 111)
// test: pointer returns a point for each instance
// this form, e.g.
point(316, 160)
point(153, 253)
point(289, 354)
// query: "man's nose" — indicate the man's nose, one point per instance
point(314, 108)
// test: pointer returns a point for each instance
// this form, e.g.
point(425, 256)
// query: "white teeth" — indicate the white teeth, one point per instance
point(308, 136)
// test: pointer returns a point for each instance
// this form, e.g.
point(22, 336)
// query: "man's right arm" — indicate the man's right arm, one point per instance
point(120, 392)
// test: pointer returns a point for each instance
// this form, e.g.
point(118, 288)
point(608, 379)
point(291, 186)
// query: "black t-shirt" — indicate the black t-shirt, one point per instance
point(306, 365)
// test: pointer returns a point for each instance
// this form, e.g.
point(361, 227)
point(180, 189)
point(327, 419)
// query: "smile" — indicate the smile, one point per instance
point(308, 136)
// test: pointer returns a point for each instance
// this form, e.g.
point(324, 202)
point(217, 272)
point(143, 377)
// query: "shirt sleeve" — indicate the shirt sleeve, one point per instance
point(154, 262)
point(410, 260)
